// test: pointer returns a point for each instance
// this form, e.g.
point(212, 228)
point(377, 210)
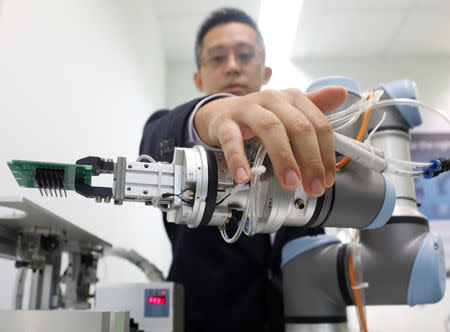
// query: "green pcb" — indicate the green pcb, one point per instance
point(25, 172)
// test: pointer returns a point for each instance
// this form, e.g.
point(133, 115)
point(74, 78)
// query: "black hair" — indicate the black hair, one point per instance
point(221, 16)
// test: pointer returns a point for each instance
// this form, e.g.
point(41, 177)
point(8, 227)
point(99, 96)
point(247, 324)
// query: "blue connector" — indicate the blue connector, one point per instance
point(439, 166)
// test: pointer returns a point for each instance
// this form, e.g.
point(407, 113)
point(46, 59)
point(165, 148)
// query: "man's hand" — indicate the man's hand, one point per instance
point(277, 117)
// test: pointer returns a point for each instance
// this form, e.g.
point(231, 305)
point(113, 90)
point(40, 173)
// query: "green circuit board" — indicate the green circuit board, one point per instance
point(25, 173)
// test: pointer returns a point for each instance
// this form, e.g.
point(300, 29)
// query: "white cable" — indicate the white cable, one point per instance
point(358, 153)
point(411, 102)
point(369, 137)
point(238, 232)
point(346, 124)
point(362, 152)
point(352, 109)
point(375, 159)
point(401, 172)
point(146, 156)
point(257, 170)
point(366, 102)
point(250, 208)
point(150, 270)
point(351, 114)
point(409, 164)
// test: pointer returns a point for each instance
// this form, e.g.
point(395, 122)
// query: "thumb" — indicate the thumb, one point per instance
point(329, 98)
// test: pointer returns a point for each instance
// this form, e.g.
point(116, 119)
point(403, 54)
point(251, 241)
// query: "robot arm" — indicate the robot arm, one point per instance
point(197, 189)
point(401, 262)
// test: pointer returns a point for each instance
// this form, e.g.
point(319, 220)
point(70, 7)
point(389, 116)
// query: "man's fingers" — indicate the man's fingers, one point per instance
point(278, 118)
point(311, 142)
point(322, 128)
point(230, 138)
point(272, 133)
point(329, 98)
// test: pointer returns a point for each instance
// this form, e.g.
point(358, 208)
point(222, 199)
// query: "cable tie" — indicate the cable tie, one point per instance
point(361, 286)
point(258, 170)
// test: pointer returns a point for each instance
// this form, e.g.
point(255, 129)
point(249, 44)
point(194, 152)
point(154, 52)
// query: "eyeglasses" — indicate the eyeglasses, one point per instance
point(216, 57)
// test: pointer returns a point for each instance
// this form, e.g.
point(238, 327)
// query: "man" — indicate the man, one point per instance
point(237, 287)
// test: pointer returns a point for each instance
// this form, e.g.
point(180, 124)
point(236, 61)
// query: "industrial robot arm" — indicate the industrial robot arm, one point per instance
point(399, 263)
point(196, 189)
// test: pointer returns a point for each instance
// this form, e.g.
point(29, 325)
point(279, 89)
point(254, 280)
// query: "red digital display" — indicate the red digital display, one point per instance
point(156, 299)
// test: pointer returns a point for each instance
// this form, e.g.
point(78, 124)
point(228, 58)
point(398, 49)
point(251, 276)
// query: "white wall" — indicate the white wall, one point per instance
point(432, 76)
point(79, 78)
point(180, 83)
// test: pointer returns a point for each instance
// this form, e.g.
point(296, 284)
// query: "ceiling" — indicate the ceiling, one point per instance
point(180, 20)
point(327, 28)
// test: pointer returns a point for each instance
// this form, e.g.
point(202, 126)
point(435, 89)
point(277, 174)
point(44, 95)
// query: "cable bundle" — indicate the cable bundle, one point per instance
point(357, 149)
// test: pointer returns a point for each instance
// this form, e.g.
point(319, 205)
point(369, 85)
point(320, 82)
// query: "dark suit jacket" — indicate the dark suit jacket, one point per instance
point(228, 287)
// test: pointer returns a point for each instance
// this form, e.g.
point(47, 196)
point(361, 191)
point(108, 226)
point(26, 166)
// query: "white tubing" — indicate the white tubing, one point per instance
point(358, 153)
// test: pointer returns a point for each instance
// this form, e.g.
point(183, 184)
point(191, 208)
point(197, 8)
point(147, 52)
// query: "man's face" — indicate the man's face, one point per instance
point(231, 61)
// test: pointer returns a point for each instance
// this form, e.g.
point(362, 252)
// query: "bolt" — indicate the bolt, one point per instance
point(299, 204)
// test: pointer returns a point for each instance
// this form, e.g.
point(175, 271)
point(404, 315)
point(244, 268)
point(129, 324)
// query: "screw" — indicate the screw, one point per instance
point(98, 199)
point(107, 199)
point(270, 203)
point(129, 166)
point(436, 246)
point(299, 204)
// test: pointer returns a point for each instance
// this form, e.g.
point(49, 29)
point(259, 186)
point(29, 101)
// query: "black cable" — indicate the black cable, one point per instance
point(166, 195)
point(221, 201)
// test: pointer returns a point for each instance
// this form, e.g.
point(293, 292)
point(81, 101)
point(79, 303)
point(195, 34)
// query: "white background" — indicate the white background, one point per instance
point(80, 78)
